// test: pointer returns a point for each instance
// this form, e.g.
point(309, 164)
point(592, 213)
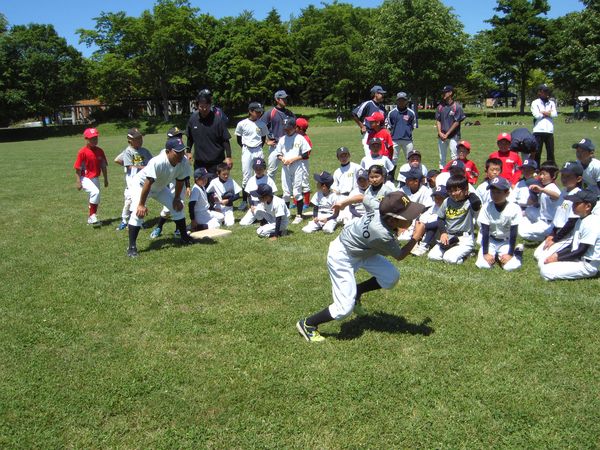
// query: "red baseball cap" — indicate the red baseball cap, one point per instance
point(90, 133)
point(465, 144)
point(377, 116)
point(302, 123)
point(504, 136)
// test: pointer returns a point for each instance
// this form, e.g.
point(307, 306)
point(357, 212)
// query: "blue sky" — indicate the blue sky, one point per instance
point(69, 15)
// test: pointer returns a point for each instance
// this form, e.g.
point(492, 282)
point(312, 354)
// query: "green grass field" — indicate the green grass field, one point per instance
point(195, 347)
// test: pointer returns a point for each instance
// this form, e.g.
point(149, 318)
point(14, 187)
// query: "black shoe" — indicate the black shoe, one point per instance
point(186, 240)
point(132, 252)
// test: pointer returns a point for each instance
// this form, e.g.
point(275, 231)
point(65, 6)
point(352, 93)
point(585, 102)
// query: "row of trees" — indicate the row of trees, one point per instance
point(327, 55)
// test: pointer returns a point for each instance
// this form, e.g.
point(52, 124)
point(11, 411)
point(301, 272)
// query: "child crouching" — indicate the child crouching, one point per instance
point(324, 217)
point(199, 208)
point(272, 212)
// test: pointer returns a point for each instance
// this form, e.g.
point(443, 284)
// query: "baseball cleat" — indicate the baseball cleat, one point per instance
point(360, 310)
point(419, 249)
point(132, 252)
point(311, 334)
point(122, 226)
point(92, 220)
point(186, 240)
point(155, 233)
point(297, 220)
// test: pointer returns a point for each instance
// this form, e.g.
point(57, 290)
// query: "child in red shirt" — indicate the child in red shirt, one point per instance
point(90, 161)
point(376, 122)
point(471, 170)
point(511, 161)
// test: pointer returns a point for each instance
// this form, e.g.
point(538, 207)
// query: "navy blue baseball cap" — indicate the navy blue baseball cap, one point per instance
point(176, 144)
point(200, 172)
point(413, 153)
point(585, 144)
point(281, 94)
point(134, 133)
point(289, 122)
point(174, 132)
point(529, 163)
point(543, 87)
point(255, 106)
point(375, 140)
point(448, 88)
point(413, 174)
point(323, 178)
point(572, 167)
point(584, 195)
point(342, 150)
point(457, 164)
point(432, 173)
point(362, 173)
point(400, 95)
point(262, 190)
point(377, 90)
point(259, 163)
point(499, 183)
point(440, 191)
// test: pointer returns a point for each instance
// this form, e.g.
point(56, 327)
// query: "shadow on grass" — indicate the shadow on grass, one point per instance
point(384, 322)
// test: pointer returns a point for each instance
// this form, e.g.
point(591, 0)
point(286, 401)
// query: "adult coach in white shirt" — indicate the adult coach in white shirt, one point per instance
point(543, 110)
point(153, 181)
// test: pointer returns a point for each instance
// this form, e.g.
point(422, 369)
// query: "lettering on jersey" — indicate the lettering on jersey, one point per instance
point(365, 230)
point(455, 213)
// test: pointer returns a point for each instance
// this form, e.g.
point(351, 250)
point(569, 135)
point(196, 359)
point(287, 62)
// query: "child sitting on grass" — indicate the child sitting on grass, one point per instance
point(202, 218)
point(493, 168)
point(324, 216)
point(378, 188)
point(271, 212)
point(224, 192)
point(260, 177)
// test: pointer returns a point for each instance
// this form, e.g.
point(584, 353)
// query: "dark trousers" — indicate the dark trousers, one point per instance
point(544, 139)
point(211, 167)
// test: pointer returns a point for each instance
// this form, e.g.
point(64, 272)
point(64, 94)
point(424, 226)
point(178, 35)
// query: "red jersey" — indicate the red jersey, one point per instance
point(511, 161)
point(471, 170)
point(309, 142)
point(387, 145)
point(90, 161)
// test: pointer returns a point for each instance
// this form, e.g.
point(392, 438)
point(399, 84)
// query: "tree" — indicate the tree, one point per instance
point(155, 54)
point(484, 74)
point(418, 46)
point(39, 73)
point(518, 35)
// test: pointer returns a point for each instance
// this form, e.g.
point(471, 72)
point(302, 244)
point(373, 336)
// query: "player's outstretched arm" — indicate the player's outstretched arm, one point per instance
point(417, 235)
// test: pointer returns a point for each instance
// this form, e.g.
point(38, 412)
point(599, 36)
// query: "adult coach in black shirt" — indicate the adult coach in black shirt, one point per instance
point(208, 134)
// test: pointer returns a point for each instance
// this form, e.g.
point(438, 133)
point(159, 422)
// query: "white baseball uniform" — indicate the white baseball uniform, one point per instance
point(131, 157)
point(373, 196)
point(500, 223)
point(270, 212)
point(251, 133)
point(160, 169)
point(379, 160)
point(406, 167)
point(228, 188)
point(202, 213)
point(253, 183)
point(292, 175)
point(537, 230)
point(325, 205)
point(587, 231)
point(422, 196)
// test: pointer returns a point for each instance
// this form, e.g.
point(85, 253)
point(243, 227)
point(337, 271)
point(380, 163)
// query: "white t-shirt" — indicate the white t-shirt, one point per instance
point(422, 196)
point(500, 221)
point(324, 202)
point(251, 132)
point(219, 188)
point(520, 194)
point(163, 172)
point(564, 211)
point(292, 146)
point(541, 123)
point(380, 160)
point(591, 176)
point(482, 192)
point(587, 231)
point(254, 182)
point(344, 178)
point(277, 208)
point(199, 196)
point(547, 205)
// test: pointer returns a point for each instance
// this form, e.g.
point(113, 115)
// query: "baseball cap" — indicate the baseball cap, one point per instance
point(377, 90)
point(584, 195)
point(174, 132)
point(413, 174)
point(529, 163)
point(362, 173)
point(457, 164)
point(289, 122)
point(400, 95)
point(134, 133)
point(432, 173)
point(302, 123)
point(262, 190)
point(413, 153)
point(255, 106)
point(200, 172)
point(504, 136)
point(572, 167)
point(281, 94)
point(90, 133)
point(465, 144)
point(377, 116)
point(499, 183)
point(448, 88)
point(440, 191)
point(341, 150)
point(259, 163)
point(585, 144)
point(397, 205)
point(324, 178)
point(204, 94)
point(176, 144)
point(543, 87)
point(375, 141)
